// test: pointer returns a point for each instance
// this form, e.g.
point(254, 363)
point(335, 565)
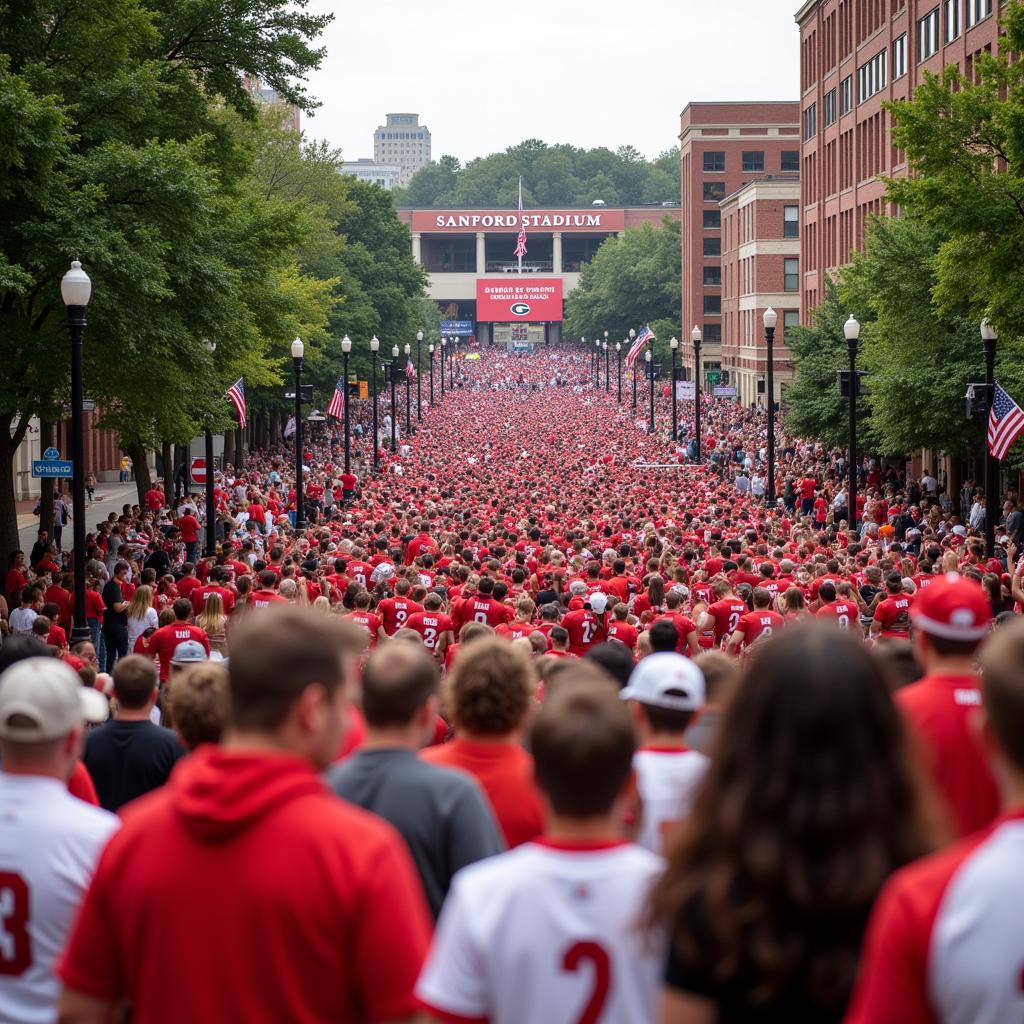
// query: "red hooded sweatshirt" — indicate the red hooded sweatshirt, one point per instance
point(245, 891)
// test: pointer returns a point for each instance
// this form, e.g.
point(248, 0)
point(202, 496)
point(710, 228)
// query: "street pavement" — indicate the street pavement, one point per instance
point(110, 496)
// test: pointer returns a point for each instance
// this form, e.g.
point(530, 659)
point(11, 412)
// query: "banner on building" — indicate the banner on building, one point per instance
point(514, 300)
point(463, 328)
point(686, 389)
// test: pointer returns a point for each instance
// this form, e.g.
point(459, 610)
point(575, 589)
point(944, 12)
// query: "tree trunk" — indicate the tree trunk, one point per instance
point(229, 447)
point(240, 449)
point(9, 540)
point(140, 463)
point(167, 452)
point(46, 484)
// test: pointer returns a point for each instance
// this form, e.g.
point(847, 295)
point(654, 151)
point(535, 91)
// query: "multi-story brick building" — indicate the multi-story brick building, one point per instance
point(760, 268)
point(722, 147)
point(855, 54)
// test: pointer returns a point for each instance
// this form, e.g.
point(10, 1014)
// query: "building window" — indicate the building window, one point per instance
point(712, 218)
point(791, 274)
point(712, 276)
point(899, 57)
point(713, 336)
point(753, 160)
point(712, 305)
point(714, 191)
point(977, 10)
point(712, 247)
point(846, 95)
point(790, 222)
point(871, 77)
point(951, 19)
point(811, 121)
point(790, 318)
point(829, 107)
point(714, 160)
point(928, 34)
point(790, 160)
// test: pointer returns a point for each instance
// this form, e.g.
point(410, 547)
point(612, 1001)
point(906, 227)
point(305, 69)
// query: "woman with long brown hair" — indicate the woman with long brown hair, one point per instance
point(809, 804)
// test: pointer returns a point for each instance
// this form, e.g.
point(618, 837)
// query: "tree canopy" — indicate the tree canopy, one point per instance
point(559, 175)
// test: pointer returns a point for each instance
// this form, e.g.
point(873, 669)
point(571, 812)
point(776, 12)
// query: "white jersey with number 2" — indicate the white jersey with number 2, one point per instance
point(547, 934)
point(49, 844)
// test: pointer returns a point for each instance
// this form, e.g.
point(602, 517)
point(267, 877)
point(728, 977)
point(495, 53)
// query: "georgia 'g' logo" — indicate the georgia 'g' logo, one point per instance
point(519, 308)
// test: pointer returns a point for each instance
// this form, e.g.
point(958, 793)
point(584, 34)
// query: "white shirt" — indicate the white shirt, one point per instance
point(666, 781)
point(49, 844)
point(547, 935)
point(21, 620)
point(136, 627)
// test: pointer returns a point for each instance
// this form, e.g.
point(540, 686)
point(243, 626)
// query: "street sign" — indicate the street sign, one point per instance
point(52, 465)
point(686, 389)
point(725, 391)
point(197, 469)
point(53, 468)
point(307, 393)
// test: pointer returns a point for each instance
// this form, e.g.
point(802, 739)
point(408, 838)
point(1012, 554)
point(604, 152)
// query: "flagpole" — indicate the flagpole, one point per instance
point(520, 256)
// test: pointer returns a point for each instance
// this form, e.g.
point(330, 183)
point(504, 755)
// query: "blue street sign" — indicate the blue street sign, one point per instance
point(52, 467)
point(460, 327)
point(51, 453)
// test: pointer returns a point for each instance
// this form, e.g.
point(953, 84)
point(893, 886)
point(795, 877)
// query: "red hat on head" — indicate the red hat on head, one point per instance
point(953, 608)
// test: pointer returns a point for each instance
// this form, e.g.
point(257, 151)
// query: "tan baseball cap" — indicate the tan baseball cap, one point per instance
point(50, 699)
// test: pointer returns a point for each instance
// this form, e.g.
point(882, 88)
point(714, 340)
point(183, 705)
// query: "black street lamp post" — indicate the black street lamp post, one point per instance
point(298, 350)
point(851, 331)
point(394, 415)
point(430, 359)
point(419, 376)
point(76, 290)
point(408, 395)
point(374, 348)
point(607, 371)
point(674, 345)
point(632, 335)
point(444, 368)
point(649, 357)
point(211, 505)
point(597, 363)
point(770, 318)
point(346, 349)
point(695, 337)
point(618, 370)
point(989, 337)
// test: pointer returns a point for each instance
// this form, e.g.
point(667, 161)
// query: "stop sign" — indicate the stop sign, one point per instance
point(198, 469)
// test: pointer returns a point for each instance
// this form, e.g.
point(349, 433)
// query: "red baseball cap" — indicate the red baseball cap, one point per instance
point(953, 608)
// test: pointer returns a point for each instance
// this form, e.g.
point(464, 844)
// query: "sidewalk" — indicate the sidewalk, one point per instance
point(110, 496)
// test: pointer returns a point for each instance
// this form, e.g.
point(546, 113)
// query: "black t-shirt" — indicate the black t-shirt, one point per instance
point(128, 759)
point(112, 594)
point(734, 998)
point(158, 560)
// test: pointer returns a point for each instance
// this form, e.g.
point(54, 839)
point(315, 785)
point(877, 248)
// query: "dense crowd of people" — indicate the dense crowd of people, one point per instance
point(546, 720)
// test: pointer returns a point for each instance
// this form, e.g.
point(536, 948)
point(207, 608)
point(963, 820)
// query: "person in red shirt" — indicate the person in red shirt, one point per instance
point(217, 577)
point(489, 694)
point(587, 626)
point(16, 579)
point(433, 626)
point(218, 877)
point(724, 615)
point(482, 607)
point(189, 527)
point(944, 942)
point(154, 498)
point(60, 593)
point(950, 620)
point(806, 489)
point(395, 611)
point(620, 631)
point(267, 595)
point(843, 611)
point(162, 643)
point(521, 625)
point(188, 582)
point(365, 619)
point(892, 613)
point(757, 625)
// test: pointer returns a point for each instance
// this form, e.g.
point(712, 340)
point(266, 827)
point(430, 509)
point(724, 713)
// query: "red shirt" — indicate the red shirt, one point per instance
point(585, 630)
point(938, 710)
point(239, 861)
point(368, 621)
point(758, 623)
point(893, 613)
point(482, 609)
point(189, 527)
point(62, 599)
point(727, 614)
point(843, 611)
point(186, 585)
point(154, 499)
point(623, 633)
point(166, 638)
point(395, 611)
point(513, 630)
point(807, 486)
point(199, 597)
point(265, 598)
point(15, 580)
point(431, 626)
point(505, 771)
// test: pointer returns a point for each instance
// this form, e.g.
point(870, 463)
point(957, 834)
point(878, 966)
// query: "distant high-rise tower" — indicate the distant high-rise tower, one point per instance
point(404, 142)
point(265, 94)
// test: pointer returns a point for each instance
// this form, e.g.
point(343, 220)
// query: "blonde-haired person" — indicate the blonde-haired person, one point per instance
point(141, 615)
point(215, 623)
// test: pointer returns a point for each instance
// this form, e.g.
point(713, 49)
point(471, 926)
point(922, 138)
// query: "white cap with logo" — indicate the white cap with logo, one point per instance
point(666, 680)
point(48, 698)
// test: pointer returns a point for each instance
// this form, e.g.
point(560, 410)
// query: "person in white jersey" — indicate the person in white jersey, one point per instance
point(665, 692)
point(49, 840)
point(549, 932)
point(945, 942)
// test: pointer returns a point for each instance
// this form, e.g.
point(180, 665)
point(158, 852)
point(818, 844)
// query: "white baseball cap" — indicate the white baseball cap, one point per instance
point(666, 680)
point(50, 699)
point(598, 602)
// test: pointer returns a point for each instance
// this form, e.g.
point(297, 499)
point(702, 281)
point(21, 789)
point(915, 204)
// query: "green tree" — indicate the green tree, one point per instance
point(632, 280)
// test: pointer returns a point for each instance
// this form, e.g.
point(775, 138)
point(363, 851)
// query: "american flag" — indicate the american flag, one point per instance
point(236, 393)
point(337, 406)
point(1005, 423)
point(410, 370)
point(521, 240)
point(644, 335)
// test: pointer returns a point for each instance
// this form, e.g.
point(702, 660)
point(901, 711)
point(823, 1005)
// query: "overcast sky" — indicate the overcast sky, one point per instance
point(485, 75)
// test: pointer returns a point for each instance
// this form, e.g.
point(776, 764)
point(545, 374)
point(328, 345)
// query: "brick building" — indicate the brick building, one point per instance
point(723, 146)
point(760, 268)
point(855, 54)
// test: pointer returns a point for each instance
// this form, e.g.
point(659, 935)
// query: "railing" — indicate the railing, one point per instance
point(512, 267)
